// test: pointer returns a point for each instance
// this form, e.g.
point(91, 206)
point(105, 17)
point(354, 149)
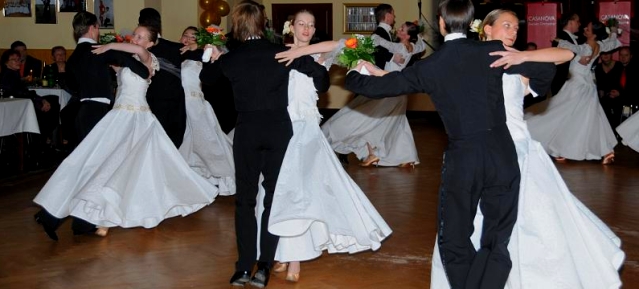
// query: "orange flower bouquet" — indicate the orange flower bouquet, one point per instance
point(210, 35)
point(356, 48)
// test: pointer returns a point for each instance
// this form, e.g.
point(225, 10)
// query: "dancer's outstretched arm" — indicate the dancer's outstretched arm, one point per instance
point(514, 57)
point(396, 47)
point(141, 52)
point(296, 52)
point(143, 55)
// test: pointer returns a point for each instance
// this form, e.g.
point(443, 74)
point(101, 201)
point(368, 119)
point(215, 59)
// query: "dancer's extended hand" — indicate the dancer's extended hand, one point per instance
point(99, 49)
point(289, 55)
point(216, 52)
point(509, 57)
point(189, 47)
point(372, 69)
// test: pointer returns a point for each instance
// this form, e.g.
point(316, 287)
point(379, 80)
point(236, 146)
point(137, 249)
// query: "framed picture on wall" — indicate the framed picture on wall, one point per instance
point(45, 12)
point(104, 10)
point(359, 18)
point(17, 8)
point(72, 5)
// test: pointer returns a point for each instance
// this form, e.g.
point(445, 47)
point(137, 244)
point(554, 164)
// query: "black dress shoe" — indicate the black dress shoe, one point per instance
point(240, 278)
point(48, 222)
point(263, 273)
point(342, 158)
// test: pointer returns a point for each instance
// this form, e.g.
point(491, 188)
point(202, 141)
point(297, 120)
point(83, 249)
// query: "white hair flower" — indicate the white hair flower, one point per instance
point(474, 26)
point(287, 28)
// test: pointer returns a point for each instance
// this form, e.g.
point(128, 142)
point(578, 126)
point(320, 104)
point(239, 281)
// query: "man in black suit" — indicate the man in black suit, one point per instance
point(480, 160)
point(628, 91)
point(88, 76)
point(569, 23)
point(166, 94)
point(262, 132)
point(385, 17)
point(29, 66)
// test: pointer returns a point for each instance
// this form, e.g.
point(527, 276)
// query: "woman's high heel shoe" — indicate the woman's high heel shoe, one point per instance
point(608, 159)
point(280, 267)
point(102, 231)
point(292, 277)
point(293, 273)
point(406, 165)
point(370, 160)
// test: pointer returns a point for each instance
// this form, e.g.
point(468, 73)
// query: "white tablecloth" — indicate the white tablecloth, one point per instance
point(63, 95)
point(17, 115)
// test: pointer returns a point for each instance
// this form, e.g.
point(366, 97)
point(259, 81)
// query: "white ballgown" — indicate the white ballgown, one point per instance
point(574, 125)
point(126, 172)
point(206, 148)
point(629, 132)
point(316, 205)
point(557, 242)
point(380, 122)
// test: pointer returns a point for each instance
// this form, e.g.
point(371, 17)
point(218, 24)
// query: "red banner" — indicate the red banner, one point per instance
point(541, 21)
point(620, 10)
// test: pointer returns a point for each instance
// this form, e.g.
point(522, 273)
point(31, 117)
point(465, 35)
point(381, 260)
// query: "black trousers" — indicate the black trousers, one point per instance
point(68, 116)
point(483, 166)
point(259, 145)
point(89, 114)
point(171, 113)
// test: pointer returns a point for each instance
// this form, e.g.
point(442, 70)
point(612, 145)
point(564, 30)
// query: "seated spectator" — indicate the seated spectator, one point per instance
point(57, 68)
point(608, 75)
point(47, 107)
point(29, 66)
point(70, 111)
point(531, 46)
point(629, 93)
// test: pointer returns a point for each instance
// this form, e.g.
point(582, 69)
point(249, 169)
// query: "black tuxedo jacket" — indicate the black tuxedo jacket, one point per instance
point(167, 82)
point(88, 75)
point(466, 91)
point(259, 82)
point(382, 55)
point(562, 69)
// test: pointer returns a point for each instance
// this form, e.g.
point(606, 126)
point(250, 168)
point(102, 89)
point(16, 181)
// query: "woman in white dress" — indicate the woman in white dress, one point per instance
point(126, 172)
point(206, 148)
point(377, 130)
point(629, 132)
point(312, 180)
point(557, 242)
point(574, 126)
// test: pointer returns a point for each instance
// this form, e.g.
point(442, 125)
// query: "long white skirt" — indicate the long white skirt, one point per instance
point(125, 173)
point(380, 122)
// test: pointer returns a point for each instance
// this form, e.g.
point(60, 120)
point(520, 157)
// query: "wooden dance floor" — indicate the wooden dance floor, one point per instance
point(199, 251)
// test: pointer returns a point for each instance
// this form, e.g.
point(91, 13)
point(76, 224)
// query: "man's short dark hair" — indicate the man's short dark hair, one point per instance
point(81, 23)
point(381, 10)
point(150, 17)
point(457, 15)
point(16, 44)
point(565, 18)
